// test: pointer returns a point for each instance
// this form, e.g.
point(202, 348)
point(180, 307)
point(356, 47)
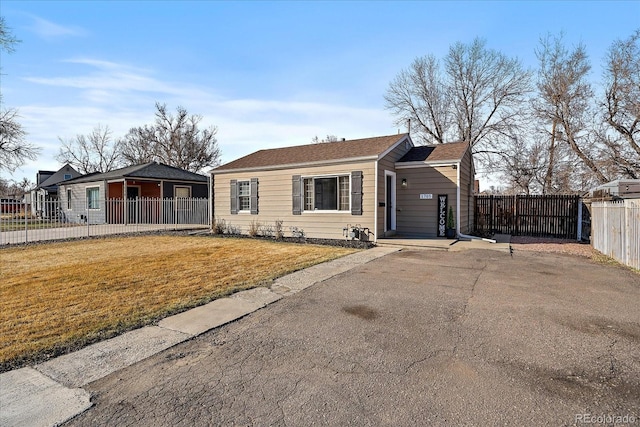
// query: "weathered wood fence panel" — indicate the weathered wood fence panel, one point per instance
point(540, 216)
point(615, 230)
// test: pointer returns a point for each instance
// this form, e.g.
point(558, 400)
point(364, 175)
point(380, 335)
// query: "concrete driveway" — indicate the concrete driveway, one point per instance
point(415, 338)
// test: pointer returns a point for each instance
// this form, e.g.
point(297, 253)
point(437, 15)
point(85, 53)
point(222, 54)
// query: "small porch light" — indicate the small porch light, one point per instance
point(404, 182)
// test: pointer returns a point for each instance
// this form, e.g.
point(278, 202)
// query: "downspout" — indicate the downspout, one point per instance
point(210, 183)
point(464, 236)
point(375, 204)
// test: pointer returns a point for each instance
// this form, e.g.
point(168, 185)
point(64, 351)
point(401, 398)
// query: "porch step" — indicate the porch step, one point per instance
point(433, 244)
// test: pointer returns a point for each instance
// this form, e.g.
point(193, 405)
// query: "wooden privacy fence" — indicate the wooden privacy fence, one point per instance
point(615, 230)
point(540, 216)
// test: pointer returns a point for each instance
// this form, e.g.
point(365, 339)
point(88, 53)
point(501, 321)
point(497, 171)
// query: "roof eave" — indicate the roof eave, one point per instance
point(423, 164)
point(295, 165)
point(395, 144)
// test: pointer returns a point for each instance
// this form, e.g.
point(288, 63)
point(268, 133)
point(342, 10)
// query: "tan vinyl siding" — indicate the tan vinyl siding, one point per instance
point(419, 216)
point(387, 163)
point(466, 194)
point(275, 200)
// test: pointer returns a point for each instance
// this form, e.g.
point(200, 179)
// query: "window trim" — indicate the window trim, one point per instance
point(337, 176)
point(175, 187)
point(248, 196)
point(97, 187)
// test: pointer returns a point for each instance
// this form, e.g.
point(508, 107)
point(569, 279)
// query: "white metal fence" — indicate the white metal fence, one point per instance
point(55, 220)
point(615, 230)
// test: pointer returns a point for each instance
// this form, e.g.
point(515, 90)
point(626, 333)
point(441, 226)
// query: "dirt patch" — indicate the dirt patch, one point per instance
point(552, 245)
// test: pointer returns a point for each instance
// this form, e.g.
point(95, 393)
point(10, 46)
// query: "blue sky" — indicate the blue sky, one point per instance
point(267, 74)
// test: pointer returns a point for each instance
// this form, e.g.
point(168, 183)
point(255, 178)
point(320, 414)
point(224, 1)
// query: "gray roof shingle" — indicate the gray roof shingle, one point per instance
point(433, 153)
point(151, 170)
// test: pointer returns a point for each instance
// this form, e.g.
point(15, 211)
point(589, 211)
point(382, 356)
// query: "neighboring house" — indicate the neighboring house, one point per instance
point(384, 184)
point(101, 195)
point(46, 191)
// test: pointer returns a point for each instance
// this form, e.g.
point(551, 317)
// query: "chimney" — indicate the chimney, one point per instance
point(408, 125)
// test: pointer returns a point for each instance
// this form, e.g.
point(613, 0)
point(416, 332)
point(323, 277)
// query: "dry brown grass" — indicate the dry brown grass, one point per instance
point(57, 297)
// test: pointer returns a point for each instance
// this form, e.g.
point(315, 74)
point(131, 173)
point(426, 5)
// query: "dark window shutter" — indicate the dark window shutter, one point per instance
point(234, 197)
point(356, 193)
point(296, 191)
point(254, 196)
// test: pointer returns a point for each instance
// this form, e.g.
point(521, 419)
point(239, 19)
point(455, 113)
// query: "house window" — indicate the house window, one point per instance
point(244, 195)
point(68, 198)
point(92, 197)
point(326, 193)
point(67, 176)
point(182, 192)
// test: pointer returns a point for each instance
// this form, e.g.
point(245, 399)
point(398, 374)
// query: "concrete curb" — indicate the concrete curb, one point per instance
point(49, 393)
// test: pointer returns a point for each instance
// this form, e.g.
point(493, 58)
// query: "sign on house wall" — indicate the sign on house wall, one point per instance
point(442, 214)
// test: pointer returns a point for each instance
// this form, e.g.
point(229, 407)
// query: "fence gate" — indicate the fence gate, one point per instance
point(540, 216)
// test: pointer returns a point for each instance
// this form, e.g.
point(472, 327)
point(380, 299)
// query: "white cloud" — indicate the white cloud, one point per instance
point(122, 96)
point(49, 30)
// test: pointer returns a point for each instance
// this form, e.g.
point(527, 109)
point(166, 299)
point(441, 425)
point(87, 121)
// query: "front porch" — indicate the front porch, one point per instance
point(404, 240)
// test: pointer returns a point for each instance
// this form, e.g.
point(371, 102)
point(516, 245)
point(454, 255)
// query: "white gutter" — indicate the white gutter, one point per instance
point(210, 185)
point(464, 236)
point(375, 205)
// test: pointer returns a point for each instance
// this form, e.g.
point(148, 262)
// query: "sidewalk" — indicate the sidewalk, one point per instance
point(51, 393)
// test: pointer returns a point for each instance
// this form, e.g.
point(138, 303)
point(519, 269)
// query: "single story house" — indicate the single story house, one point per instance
point(47, 183)
point(101, 196)
point(382, 185)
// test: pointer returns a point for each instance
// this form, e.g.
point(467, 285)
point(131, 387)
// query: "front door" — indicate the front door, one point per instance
point(132, 204)
point(389, 201)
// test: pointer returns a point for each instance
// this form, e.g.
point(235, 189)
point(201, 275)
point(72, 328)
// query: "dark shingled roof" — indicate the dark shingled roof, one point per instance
point(51, 183)
point(435, 153)
point(310, 153)
point(151, 170)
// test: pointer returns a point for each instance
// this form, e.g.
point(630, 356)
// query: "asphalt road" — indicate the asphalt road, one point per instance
point(415, 338)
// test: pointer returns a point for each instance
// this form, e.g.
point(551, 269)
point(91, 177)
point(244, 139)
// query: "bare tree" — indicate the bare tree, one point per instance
point(95, 152)
point(475, 96)
point(173, 140)
point(329, 138)
point(621, 104)
point(564, 101)
point(14, 149)
point(14, 188)
point(421, 94)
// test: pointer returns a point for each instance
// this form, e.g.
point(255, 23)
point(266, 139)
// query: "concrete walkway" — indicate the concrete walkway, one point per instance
point(51, 393)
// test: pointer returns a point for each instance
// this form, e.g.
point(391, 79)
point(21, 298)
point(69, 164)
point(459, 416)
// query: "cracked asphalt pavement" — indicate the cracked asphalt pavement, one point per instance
point(415, 338)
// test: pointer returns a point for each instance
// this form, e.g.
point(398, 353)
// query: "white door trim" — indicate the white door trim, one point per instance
point(393, 200)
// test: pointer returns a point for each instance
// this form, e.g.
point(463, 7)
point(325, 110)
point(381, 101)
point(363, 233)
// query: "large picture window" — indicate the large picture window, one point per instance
point(326, 193)
point(92, 197)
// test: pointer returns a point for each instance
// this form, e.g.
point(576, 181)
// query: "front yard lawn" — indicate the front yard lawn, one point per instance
point(57, 297)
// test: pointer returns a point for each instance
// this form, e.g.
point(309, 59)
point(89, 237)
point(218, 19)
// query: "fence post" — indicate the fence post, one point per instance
point(88, 233)
point(579, 230)
point(26, 225)
point(626, 244)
